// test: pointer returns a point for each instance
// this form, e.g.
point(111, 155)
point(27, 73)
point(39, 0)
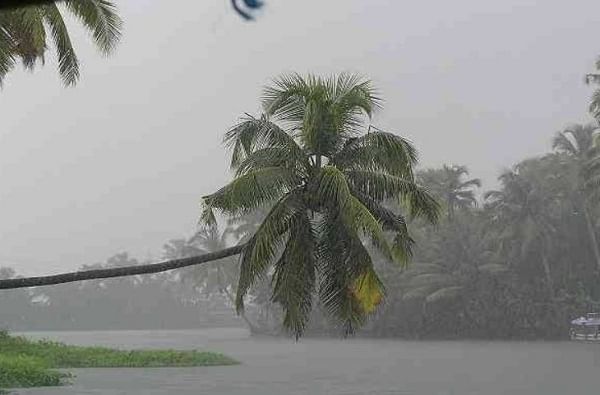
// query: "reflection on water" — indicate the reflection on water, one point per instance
point(334, 367)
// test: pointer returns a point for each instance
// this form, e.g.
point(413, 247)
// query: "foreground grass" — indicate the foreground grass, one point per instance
point(27, 363)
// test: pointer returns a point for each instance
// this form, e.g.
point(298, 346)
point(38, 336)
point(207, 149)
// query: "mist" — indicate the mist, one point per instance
point(120, 162)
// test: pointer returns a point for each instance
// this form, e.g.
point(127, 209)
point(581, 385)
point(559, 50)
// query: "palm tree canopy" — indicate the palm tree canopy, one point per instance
point(25, 34)
point(576, 140)
point(448, 184)
point(307, 158)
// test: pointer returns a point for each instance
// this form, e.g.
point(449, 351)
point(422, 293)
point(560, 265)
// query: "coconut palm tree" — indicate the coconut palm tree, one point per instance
point(521, 215)
point(449, 186)
point(577, 142)
point(594, 78)
point(215, 277)
point(308, 156)
point(26, 33)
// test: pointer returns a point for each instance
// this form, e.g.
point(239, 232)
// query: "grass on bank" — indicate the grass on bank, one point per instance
point(28, 363)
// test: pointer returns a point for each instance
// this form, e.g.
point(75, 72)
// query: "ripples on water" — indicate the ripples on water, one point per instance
point(273, 366)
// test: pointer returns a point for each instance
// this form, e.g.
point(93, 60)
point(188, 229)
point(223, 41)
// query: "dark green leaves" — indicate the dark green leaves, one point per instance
point(329, 185)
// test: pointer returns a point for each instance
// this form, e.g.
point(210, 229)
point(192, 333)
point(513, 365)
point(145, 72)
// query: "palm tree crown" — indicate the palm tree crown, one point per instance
point(448, 185)
point(326, 184)
point(24, 34)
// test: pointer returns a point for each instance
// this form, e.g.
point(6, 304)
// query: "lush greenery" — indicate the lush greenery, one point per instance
point(519, 262)
point(26, 363)
point(23, 371)
point(26, 34)
point(326, 180)
point(325, 209)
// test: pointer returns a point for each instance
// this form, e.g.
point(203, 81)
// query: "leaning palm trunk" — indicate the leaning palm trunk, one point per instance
point(120, 271)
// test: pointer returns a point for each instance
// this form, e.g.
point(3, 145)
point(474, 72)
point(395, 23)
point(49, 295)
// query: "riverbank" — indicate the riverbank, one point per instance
point(33, 363)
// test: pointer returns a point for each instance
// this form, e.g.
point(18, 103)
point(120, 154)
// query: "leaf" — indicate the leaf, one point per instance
point(368, 290)
point(68, 65)
point(262, 247)
point(295, 274)
point(252, 190)
point(444, 293)
point(101, 18)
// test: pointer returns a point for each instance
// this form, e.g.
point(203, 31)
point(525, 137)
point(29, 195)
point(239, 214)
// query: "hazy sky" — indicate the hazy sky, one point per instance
point(119, 163)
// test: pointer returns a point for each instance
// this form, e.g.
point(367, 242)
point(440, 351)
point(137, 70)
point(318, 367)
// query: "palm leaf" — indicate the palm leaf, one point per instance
point(368, 290)
point(68, 65)
point(101, 18)
point(444, 293)
point(7, 49)
point(333, 188)
point(294, 276)
point(262, 247)
point(343, 261)
point(252, 190)
point(378, 151)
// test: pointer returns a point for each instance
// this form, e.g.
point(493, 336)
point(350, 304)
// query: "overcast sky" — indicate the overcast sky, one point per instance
point(119, 162)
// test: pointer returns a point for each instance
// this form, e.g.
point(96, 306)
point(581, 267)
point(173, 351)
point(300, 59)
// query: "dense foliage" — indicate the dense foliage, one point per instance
point(27, 33)
point(27, 363)
point(325, 172)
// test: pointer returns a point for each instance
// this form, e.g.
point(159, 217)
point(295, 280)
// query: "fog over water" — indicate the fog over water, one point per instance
point(336, 367)
point(121, 161)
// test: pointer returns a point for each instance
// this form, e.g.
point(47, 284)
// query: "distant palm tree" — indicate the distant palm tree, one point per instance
point(219, 276)
point(448, 185)
point(577, 142)
point(25, 34)
point(594, 78)
point(327, 184)
point(525, 226)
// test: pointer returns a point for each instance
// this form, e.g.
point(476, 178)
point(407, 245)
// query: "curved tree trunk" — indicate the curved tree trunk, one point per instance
point(120, 271)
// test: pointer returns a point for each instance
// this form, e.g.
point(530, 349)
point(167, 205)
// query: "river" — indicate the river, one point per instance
point(272, 366)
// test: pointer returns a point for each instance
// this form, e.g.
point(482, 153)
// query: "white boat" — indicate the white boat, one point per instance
point(586, 328)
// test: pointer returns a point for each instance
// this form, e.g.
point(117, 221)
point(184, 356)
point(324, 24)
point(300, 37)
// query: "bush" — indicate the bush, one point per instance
point(27, 363)
point(24, 371)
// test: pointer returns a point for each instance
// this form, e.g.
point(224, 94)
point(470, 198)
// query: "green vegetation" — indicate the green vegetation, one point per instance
point(25, 34)
point(326, 173)
point(27, 363)
point(22, 371)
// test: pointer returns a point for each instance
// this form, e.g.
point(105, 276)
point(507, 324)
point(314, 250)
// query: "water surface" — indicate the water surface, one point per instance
point(339, 367)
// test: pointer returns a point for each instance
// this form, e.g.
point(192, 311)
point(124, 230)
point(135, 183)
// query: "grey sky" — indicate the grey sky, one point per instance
point(120, 162)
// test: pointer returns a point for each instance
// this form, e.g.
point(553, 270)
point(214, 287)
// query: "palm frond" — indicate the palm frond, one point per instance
point(392, 222)
point(333, 189)
point(101, 18)
point(68, 65)
point(263, 246)
point(7, 49)
point(378, 151)
point(253, 134)
point(368, 290)
point(343, 262)
point(562, 143)
point(29, 35)
point(419, 293)
point(252, 190)
point(284, 99)
point(275, 156)
point(444, 294)
point(295, 274)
